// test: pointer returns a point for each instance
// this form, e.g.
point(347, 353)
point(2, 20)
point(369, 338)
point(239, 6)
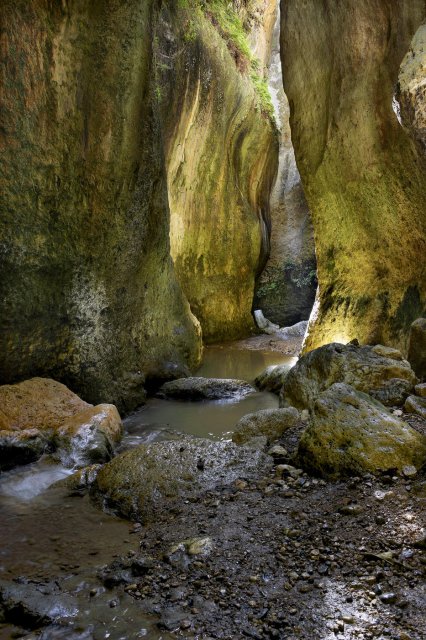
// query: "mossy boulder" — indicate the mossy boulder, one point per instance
point(205, 389)
point(270, 423)
point(41, 415)
point(351, 433)
point(272, 378)
point(139, 482)
point(377, 370)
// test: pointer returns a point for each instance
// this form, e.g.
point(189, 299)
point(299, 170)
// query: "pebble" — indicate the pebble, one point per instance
point(388, 598)
point(409, 471)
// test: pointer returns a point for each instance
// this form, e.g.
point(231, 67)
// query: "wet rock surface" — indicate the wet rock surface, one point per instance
point(350, 432)
point(269, 423)
point(205, 389)
point(41, 415)
point(142, 481)
point(379, 371)
point(272, 379)
point(292, 557)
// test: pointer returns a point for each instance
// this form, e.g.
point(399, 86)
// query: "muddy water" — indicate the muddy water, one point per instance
point(56, 543)
point(212, 419)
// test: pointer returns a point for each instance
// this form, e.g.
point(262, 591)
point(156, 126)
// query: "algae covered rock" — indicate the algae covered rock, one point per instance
point(205, 389)
point(351, 433)
point(364, 179)
point(417, 405)
point(417, 347)
point(272, 379)
point(41, 415)
point(89, 294)
point(380, 371)
point(138, 482)
point(411, 89)
point(271, 423)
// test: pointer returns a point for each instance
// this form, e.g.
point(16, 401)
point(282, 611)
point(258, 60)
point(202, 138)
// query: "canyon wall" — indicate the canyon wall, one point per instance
point(286, 288)
point(88, 291)
point(221, 155)
point(363, 174)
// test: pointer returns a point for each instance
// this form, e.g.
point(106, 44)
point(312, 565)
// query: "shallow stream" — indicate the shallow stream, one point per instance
point(56, 543)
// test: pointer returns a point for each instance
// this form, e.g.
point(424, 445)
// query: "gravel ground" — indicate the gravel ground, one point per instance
point(290, 557)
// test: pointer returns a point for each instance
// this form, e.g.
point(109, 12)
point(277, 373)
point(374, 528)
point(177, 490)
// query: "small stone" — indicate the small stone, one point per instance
point(398, 412)
point(388, 598)
point(420, 390)
point(185, 624)
point(409, 471)
point(380, 520)
point(351, 510)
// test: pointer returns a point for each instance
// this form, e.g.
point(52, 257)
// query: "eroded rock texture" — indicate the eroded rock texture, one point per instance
point(89, 293)
point(286, 288)
point(363, 176)
point(221, 155)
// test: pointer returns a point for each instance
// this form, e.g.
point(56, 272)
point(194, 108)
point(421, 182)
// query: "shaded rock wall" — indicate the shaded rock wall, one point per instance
point(363, 177)
point(221, 155)
point(88, 291)
point(286, 288)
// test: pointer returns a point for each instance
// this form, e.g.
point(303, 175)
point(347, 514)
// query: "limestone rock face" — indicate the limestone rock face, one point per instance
point(139, 482)
point(221, 155)
point(350, 433)
point(362, 173)
point(88, 290)
point(42, 415)
point(379, 371)
point(411, 90)
point(417, 347)
point(205, 389)
point(271, 423)
point(285, 291)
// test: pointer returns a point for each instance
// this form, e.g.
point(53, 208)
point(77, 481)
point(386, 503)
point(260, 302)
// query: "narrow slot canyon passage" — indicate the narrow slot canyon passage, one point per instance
point(213, 320)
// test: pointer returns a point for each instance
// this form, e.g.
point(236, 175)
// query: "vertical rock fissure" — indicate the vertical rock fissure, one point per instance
point(285, 290)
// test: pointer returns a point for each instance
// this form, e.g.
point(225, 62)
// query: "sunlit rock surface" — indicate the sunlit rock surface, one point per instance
point(221, 156)
point(350, 433)
point(363, 176)
point(88, 290)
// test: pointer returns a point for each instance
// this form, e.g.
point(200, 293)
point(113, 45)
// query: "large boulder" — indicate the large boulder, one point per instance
point(272, 378)
point(205, 389)
point(41, 415)
point(417, 347)
point(139, 482)
point(351, 433)
point(379, 371)
point(271, 423)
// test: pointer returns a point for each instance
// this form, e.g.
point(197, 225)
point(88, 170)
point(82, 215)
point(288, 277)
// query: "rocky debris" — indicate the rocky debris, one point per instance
point(352, 433)
point(420, 390)
point(295, 557)
point(417, 348)
point(41, 415)
point(379, 371)
point(205, 389)
point(272, 379)
point(415, 404)
point(139, 482)
point(270, 423)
